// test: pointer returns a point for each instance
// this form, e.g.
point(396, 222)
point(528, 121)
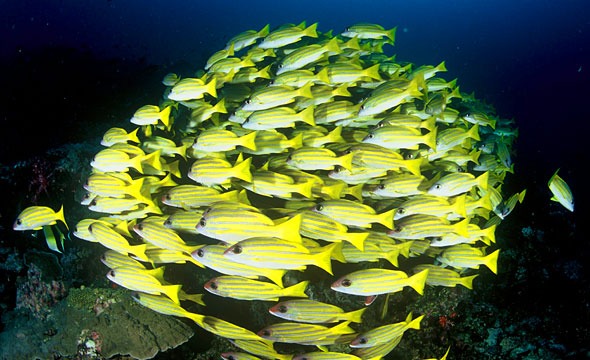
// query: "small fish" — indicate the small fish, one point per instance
point(163, 237)
point(396, 137)
point(35, 217)
point(354, 214)
point(380, 100)
point(449, 138)
point(311, 311)
point(302, 333)
point(221, 54)
point(109, 160)
point(170, 79)
point(273, 96)
point(431, 206)
point(379, 351)
point(379, 281)
point(242, 288)
point(261, 348)
point(286, 36)
point(231, 65)
point(306, 55)
point(419, 226)
point(369, 31)
point(378, 157)
point(147, 281)
point(385, 333)
point(228, 330)
point(212, 171)
point(164, 305)
point(341, 73)
point(113, 186)
point(439, 276)
point(308, 158)
point(561, 192)
point(246, 38)
point(279, 117)
point(270, 183)
point(223, 140)
point(113, 259)
point(458, 183)
point(111, 239)
point(465, 256)
point(194, 196)
point(401, 185)
point(190, 88)
point(117, 135)
point(150, 115)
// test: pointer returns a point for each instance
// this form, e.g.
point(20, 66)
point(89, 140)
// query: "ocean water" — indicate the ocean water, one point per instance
point(73, 69)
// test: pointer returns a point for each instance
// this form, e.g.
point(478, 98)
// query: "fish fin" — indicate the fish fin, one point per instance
point(337, 253)
point(521, 196)
point(296, 142)
point(264, 31)
point(311, 31)
point(60, 216)
point(211, 87)
point(132, 136)
point(297, 290)
point(552, 177)
point(417, 281)
point(459, 205)
point(482, 180)
point(139, 252)
point(354, 316)
point(243, 197)
point(305, 188)
point(196, 298)
point(197, 318)
point(391, 34)
point(356, 191)
point(341, 90)
point(307, 115)
point(172, 292)
point(346, 161)
point(276, 276)
point(323, 348)
point(386, 218)
point(158, 273)
point(490, 233)
point(356, 239)
point(50, 238)
point(392, 256)
point(413, 166)
point(305, 91)
point(332, 46)
point(323, 259)
point(289, 230)
point(264, 73)
point(242, 170)
point(165, 117)
point(468, 281)
point(429, 124)
point(335, 135)
point(153, 160)
point(415, 324)
point(248, 141)
point(491, 261)
point(461, 228)
point(322, 76)
point(430, 139)
point(373, 72)
point(473, 132)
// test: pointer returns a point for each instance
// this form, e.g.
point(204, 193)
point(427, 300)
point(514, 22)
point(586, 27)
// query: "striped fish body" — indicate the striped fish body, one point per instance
point(307, 55)
point(370, 253)
point(340, 73)
point(184, 221)
point(317, 139)
point(480, 119)
point(194, 196)
point(164, 305)
point(308, 158)
point(379, 351)
point(260, 348)
point(112, 186)
point(273, 142)
point(396, 137)
point(246, 38)
point(561, 191)
point(270, 183)
point(458, 183)
point(271, 253)
point(369, 31)
point(302, 333)
point(438, 276)
point(212, 257)
point(250, 74)
point(433, 206)
point(223, 140)
point(315, 312)
point(232, 355)
point(150, 115)
point(380, 101)
point(230, 64)
point(114, 205)
point(159, 255)
point(386, 333)
point(510, 204)
point(212, 171)
point(162, 237)
point(321, 355)
point(35, 217)
point(354, 214)
point(449, 138)
point(378, 157)
point(379, 281)
point(219, 55)
point(235, 226)
point(298, 78)
point(117, 135)
point(503, 154)
point(110, 239)
point(357, 175)
point(189, 89)
point(321, 227)
point(166, 146)
point(323, 94)
point(242, 288)
point(147, 281)
point(333, 111)
point(170, 79)
point(286, 36)
point(400, 186)
point(464, 256)
point(280, 117)
point(257, 55)
point(427, 71)
point(113, 259)
point(421, 226)
point(228, 330)
point(274, 96)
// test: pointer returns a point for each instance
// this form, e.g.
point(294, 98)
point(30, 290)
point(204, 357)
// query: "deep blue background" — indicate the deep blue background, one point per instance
point(70, 63)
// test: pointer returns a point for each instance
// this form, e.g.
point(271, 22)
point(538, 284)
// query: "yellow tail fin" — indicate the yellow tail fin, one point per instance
point(242, 170)
point(297, 290)
point(417, 281)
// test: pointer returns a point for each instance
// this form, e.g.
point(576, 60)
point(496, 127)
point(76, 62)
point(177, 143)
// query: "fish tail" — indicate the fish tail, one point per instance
point(336, 135)
point(323, 76)
point(136, 163)
point(296, 142)
point(172, 292)
point(171, 169)
point(264, 31)
point(181, 150)
point(248, 141)
point(354, 316)
point(405, 248)
point(356, 191)
point(165, 116)
point(482, 180)
point(305, 188)
point(307, 116)
point(468, 281)
point(230, 196)
point(323, 259)
point(276, 276)
point(153, 160)
point(289, 230)
point(429, 124)
point(336, 253)
point(132, 136)
point(493, 123)
point(459, 205)
point(220, 107)
point(475, 156)
point(139, 251)
point(373, 72)
point(305, 91)
point(60, 216)
point(474, 132)
point(211, 88)
point(357, 239)
point(243, 197)
point(521, 196)
point(391, 34)
point(415, 324)
point(441, 67)
point(311, 31)
point(346, 161)
point(490, 233)
point(197, 318)
point(264, 73)
point(242, 170)
point(417, 281)
point(392, 256)
point(297, 290)
point(413, 166)
point(486, 202)
point(341, 90)
point(430, 139)
point(196, 298)
point(491, 261)
point(461, 229)
point(386, 218)
point(332, 46)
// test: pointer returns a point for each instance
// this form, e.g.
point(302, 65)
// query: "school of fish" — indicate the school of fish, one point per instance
point(294, 148)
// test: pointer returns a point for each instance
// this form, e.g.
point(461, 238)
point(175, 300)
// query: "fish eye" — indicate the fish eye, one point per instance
point(319, 207)
point(289, 158)
point(338, 168)
point(200, 253)
point(362, 107)
point(18, 221)
point(213, 285)
point(112, 273)
point(398, 229)
point(437, 186)
point(460, 169)
point(140, 227)
point(380, 125)
point(346, 283)
point(231, 357)
point(370, 136)
point(248, 101)
point(401, 211)
point(410, 156)
point(168, 222)
point(202, 222)
point(135, 295)
point(281, 66)
point(93, 202)
point(236, 249)
point(362, 340)
point(381, 187)
point(103, 257)
point(303, 358)
point(90, 227)
point(168, 197)
point(347, 151)
point(282, 309)
point(266, 333)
